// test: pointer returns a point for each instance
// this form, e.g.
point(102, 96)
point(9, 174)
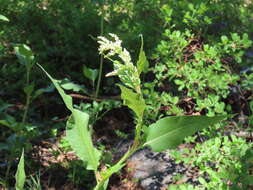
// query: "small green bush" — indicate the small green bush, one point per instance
point(227, 164)
point(200, 71)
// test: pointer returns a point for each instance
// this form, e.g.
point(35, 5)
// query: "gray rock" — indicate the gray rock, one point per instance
point(154, 171)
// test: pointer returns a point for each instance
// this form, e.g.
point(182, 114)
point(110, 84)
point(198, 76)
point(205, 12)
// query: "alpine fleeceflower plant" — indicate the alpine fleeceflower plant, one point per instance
point(166, 133)
point(124, 68)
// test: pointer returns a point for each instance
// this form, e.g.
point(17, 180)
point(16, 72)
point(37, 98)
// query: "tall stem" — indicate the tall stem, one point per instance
point(101, 56)
point(136, 145)
point(27, 96)
point(8, 169)
point(117, 165)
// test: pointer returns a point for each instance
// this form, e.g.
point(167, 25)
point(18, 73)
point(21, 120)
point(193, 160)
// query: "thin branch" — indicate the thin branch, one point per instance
point(79, 96)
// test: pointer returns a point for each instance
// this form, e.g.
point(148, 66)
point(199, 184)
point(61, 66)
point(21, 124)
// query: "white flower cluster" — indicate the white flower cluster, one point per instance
point(110, 48)
point(127, 72)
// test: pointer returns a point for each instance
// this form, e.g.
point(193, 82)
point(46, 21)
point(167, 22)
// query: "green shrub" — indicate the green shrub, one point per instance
point(227, 163)
point(60, 31)
point(200, 71)
point(208, 17)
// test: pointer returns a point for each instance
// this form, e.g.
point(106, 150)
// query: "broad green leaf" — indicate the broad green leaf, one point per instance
point(169, 132)
point(142, 63)
point(20, 174)
point(25, 55)
point(89, 73)
point(79, 135)
point(2, 17)
point(133, 100)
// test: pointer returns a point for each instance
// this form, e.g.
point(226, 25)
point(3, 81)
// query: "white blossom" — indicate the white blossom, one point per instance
point(125, 69)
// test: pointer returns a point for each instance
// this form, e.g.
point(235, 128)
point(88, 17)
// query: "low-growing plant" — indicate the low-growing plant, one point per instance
point(79, 177)
point(251, 116)
point(26, 58)
point(34, 182)
point(200, 71)
point(97, 110)
point(17, 134)
point(211, 18)
point(165, 133)
point(20, 132)
point(160, 104)
point(91, 74)
point(247, 82)
point(184, 187)
point(227, 164)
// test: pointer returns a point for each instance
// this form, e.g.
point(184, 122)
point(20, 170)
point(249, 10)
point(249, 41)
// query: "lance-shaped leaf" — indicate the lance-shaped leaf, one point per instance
point(20, 174)
point(133, 100)
point(169, 132)
point(66, 98)
point(142, 63)
point(79, 136)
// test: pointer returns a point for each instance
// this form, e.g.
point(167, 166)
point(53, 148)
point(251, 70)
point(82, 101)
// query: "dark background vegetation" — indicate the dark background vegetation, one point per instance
point(62, 35)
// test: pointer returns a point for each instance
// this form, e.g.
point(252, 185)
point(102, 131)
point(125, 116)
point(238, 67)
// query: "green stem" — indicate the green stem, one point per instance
point(117, 165)
point(101, 56)
point(137, 135)
point(8, 170)
point(136, 145)
point(28, 97)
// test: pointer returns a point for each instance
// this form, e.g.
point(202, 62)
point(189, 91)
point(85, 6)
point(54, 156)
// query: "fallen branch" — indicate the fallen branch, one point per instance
point(79, 96)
